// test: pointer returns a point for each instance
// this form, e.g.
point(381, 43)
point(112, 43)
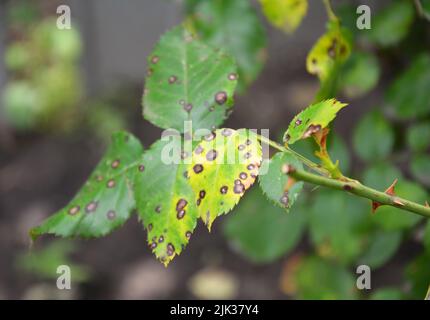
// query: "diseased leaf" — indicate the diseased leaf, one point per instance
point(165, 201)
point(280, 188)
point(235, 27)
point(409, 95)
point(332, 49)
point(225, 164)
point(106, 200)
point(373, 137)
point(285, 14)
point(261, 231)
point(392, 24)
point(187, 80)
point(312, 120)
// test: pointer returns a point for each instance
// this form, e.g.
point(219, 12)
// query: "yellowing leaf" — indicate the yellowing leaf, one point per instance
point(330, 50)
point(312, 120)
point(285, 14)
point(225, 164)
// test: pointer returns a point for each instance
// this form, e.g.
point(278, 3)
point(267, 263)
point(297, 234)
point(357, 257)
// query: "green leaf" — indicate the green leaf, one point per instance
point(392, 24)
point(390, 218)
point(165, 200)
point(426, 239)
point(332, 49)
point(409, 94)
point(262, 232)
point(106, 200)
point(225, 164)
point(312, 120)
point(381, 175)
point(418, 274)
point(334, 222)
point(187, 80)
point(387, 294)
point(319, 279)
point(360, 74)
point(235, 27)
point(382, 246)
point(420, 167)
point(419, 136)
point(285, 14)
point(274, 182)
point(44, 263)
point(373, 137)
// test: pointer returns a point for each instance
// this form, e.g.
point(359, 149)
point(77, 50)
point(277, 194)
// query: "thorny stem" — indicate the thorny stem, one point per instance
point(310, 164)
point(360, 190)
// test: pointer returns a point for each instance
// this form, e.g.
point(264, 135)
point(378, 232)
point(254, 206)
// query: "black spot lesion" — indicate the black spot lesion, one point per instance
point(197, 168)
point(284, 200)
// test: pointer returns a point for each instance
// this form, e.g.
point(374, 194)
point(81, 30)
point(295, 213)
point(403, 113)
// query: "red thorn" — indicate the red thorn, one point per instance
point(375, 205)
point(391, 188)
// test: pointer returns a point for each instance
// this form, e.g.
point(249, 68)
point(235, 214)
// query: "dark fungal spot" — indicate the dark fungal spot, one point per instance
point(248, 142)
point(226, 132)
point(211, 109)
point(211, 155)
point(241, 147)
point(91, 207)
point(188, 107)
point(153, 245)
point(198, 168)
point(110, 183)
point(247, 155)
point(297, 122)
point(188, 235)
point(343, 50)
point(184, 155)
point(141, 168)
point(181, 204)
point(284, 199)
point(149, 72)
point(199, 149)
point(155, 59)
point(232, 76)
point(170, 249)
point(111, 214)
point(150, 227)
point(186, 175)
point(332, 49)
point(202, 194)
point(158, 209)
point(181, 214)
point(74, 210)
point(243, 175)
point(198, 201)
point(221, 97)
point(223, 189)
point(115, 164)
point(172, 79)
point(210, 136)
point(160, 239)
point(239, 188)
point(314, 61)
point(287, 138)
point(154, 238)
point(99, 178)
point(347, 187)
point(237, 181)
point(250, 167)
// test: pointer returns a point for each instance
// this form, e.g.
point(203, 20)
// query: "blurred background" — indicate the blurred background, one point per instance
point(64, 92)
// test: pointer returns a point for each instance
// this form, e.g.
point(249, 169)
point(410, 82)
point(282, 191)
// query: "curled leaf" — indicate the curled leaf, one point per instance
point(285, 14)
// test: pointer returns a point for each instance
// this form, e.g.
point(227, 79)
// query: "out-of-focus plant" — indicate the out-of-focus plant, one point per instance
point(197, 83)
point(45, 90)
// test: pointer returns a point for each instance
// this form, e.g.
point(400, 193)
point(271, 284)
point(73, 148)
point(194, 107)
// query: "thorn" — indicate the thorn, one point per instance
point(375, 205)
point(398, 202)
point(391, 189)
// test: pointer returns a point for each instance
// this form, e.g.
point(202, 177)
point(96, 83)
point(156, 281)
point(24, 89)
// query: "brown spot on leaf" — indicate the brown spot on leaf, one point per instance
point(198, 168)
point(284, 199)
point(141, 168)
point(243, 175)
point(111, 214)
point(91, 207)
point(239, 188)
point(172, 79)
point(223, 189)
point(312, 129)
point(74, 210)
point(170, 249)
point(115, 164)
point(158, 209)
point(211, 155)
point(221, 97)
point(110, 183)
